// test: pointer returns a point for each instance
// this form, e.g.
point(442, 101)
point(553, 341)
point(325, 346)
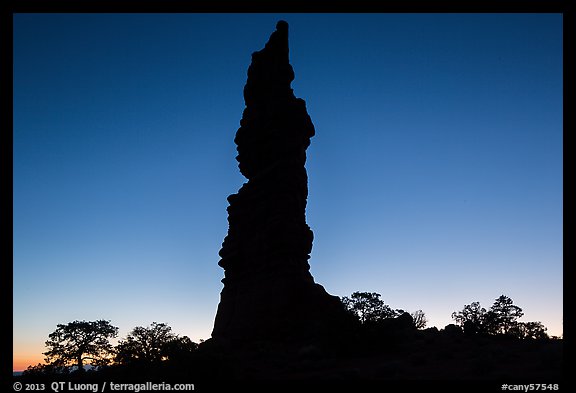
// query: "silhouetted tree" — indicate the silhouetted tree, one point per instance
point(179, 348)
point(368, 307)
point(471, 318)
point(452, 330)
point(80, 342)
point(529, 330)
point(152, 344)
point(419, 319)
point(45, 370)
point(535, 330)
point(502, 316)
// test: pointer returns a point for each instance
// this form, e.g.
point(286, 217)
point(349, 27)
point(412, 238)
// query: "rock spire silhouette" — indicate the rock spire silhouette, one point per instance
point(269, 293)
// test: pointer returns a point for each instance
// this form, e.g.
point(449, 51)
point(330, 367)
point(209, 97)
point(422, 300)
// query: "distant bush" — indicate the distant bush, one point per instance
point(368, 307)
point(500, 319)
point(372, 312)
point(419, 319)
point(153, 344)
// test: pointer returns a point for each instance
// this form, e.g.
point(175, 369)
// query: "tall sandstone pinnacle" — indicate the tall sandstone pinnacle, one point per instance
point(269, 293)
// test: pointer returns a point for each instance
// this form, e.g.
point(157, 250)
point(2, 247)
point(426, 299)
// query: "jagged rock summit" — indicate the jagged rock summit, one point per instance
point(269, 293)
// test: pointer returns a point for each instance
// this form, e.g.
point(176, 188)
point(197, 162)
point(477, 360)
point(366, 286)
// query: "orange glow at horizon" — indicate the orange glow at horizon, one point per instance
point(21, 361)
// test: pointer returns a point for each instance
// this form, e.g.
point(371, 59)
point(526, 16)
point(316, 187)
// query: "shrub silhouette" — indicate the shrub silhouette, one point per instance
point(471, 318)
point(368, 307)
point(419, 319)
point(152, 344)
point(500, 319)
point(529, 330)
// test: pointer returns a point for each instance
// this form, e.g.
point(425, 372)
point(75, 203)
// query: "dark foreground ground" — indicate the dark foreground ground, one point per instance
point(426, 358)
point(447, 360)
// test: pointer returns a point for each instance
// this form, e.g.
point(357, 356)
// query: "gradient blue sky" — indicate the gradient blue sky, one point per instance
point(435, 176)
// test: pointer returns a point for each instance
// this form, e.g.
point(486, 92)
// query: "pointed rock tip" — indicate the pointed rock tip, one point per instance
point(282, 25)
point(278, 41)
